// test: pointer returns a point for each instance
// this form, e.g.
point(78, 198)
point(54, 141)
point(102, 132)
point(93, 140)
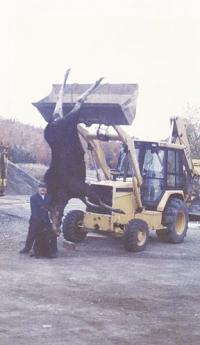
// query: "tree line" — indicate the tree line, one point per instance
point(26, 143)
point(193, 129)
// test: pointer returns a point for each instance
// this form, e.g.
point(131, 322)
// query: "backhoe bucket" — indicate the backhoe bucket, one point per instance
point(110, 104)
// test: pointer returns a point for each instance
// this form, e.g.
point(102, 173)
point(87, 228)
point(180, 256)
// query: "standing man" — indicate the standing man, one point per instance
point(39, 219)
point(3, 168)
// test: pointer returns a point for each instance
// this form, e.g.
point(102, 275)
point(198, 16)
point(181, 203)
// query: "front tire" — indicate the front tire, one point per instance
point(175, 218)
point(136, 235)
point(73, 229)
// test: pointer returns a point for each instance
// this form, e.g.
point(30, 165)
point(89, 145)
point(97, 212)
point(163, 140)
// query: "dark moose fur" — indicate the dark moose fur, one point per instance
point(66, 175)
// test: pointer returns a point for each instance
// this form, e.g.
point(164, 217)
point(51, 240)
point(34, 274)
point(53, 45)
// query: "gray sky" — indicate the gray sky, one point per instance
point(155, 43)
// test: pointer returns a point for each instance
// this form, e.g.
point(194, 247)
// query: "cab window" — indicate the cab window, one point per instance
point(175, 169)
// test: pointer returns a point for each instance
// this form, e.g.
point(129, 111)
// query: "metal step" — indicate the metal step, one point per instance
point(194, 212)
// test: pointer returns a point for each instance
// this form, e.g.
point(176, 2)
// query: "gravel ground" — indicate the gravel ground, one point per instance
point(98, 293)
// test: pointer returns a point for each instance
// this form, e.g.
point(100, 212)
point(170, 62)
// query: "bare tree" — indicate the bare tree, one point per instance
point(192, 117)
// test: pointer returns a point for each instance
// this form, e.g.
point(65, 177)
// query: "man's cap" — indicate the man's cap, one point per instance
point(42, 185)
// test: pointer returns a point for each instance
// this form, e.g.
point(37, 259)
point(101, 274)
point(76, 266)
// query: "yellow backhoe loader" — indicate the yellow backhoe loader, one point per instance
point(153, 184)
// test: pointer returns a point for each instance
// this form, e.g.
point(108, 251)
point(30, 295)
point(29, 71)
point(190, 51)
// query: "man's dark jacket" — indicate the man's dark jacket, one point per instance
point(39, 218)
point(39, 211)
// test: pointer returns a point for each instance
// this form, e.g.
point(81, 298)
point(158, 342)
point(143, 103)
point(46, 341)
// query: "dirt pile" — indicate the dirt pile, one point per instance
point(19, 182)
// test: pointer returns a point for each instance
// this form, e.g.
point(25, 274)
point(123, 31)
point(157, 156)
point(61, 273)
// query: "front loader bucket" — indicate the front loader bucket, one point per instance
point(110, 104)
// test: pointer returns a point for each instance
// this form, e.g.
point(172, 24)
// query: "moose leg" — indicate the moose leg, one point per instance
point(58, 111)
point(84, 191)
point(56, 209)
point(84, 97)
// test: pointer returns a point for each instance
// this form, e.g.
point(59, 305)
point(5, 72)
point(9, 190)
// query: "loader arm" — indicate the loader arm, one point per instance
point(137, 178)
point(97, 149)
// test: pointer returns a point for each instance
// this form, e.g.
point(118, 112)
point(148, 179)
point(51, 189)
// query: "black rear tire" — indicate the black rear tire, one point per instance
point(73, 229)
point(136, 235)
point(175, 218)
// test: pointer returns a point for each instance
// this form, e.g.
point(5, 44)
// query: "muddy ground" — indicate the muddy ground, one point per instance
point(97, 294)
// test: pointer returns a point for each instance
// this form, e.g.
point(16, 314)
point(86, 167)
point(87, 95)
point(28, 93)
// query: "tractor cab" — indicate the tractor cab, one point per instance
point(161, 167)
